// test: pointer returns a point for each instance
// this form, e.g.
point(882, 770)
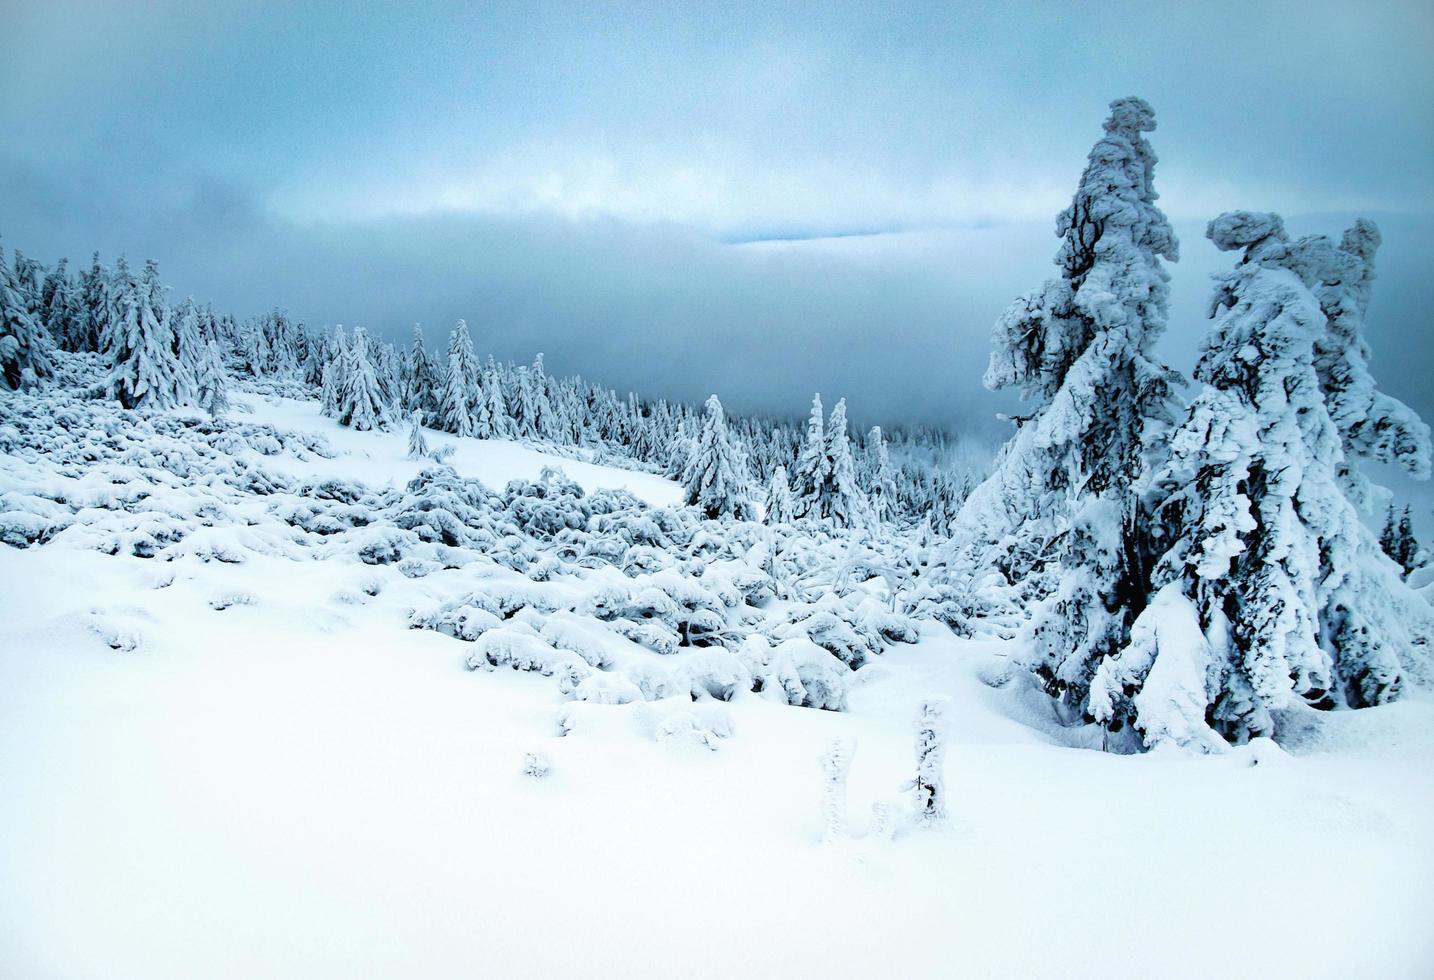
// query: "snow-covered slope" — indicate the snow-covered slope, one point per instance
point(255, 767)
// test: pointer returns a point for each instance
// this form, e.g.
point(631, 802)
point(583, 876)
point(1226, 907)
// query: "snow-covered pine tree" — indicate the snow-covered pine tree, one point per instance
point(839, 499)
point(715, 478)
point(188, 351)
point(882, 490)
point(1271, 593)
point(492, 419)
point(417, 389)
point(1057, 515)
point(417, 444)
point(360, 400)
point(25, 345)
point(813, 466)
point(930, 780)
point(779, 504)
point(335, 364)
point(1407, 551)
point(544, 421)
point(1371, 424)
point(60, 308)
point(212, 380)
point(455, 398)
point(140, 341)
point(94, 306)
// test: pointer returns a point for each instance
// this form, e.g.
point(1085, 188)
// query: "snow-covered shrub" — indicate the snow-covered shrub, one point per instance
point(929, 784)
point(835, 763)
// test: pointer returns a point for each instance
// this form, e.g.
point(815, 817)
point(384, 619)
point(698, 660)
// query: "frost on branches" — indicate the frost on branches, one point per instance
point(1272, 593)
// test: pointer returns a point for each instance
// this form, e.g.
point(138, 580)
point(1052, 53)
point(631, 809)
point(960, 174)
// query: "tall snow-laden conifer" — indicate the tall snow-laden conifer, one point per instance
point(1271, 592)
point(839, 499)
point(335, 363)
point(1058, 514)
point(779, 505)
point(24, 343)
point(417, 444)
point(360, 400)
point(455, 399)
point(212, 381)
point(882, 478)
point(715, 477)
point(812, 467)
point(140, 342)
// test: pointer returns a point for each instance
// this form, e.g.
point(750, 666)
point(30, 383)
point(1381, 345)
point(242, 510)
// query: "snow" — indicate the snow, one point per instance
point(256, 768)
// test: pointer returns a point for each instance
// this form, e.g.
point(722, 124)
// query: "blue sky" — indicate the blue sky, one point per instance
point(583, 178)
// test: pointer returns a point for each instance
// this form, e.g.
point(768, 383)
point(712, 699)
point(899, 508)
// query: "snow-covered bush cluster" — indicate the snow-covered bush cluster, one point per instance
point(618, 600)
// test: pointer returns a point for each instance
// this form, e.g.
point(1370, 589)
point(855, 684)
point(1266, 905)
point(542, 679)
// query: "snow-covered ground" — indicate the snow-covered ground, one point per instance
point(281, 779)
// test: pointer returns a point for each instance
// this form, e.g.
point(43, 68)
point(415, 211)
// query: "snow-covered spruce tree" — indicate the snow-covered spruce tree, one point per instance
point(839, 498)
point(95, 306)
point(455, 398)
point(1057, 515)
point(715, 478)
point(1397, 539)
point(24, 343)
point(779, 505)
point(929, 783)
point(835, 763)
point(812, 467)
point(491, 421)
point(360, 401)
point(1271, 592)
point(332, 383)
point(1407, 552)
point(882, 479)
point(418, 385)
point(1371, 424)
point(60, 308)
point(211, 389)
point(544, 422)
point(140, 342)
point(417, 444)
point(188, 351)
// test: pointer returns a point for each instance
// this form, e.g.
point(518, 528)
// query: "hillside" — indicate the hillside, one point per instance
point(227, 750)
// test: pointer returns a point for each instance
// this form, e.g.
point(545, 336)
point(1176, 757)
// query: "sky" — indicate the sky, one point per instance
point(760, 200)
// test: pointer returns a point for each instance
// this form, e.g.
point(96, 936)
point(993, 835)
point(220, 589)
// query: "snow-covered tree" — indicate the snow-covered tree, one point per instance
point(212, 381)
point(332, 383)
point(1397, 539)
point(24, 343)
point(839, 498)
point(491, 421)
point(360, 401)
point(929, 783)
point(1058, 514)
point(418, 384)
point(813, 467)
point(779, 504)
point(882, 479)
point(188, 351)
point(715, 477)
point(456, 397)
point(1371, 424)
point(1271, 592)
point(140, 342)
point(95, 305)
point(60, 310)
point(417, 444)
